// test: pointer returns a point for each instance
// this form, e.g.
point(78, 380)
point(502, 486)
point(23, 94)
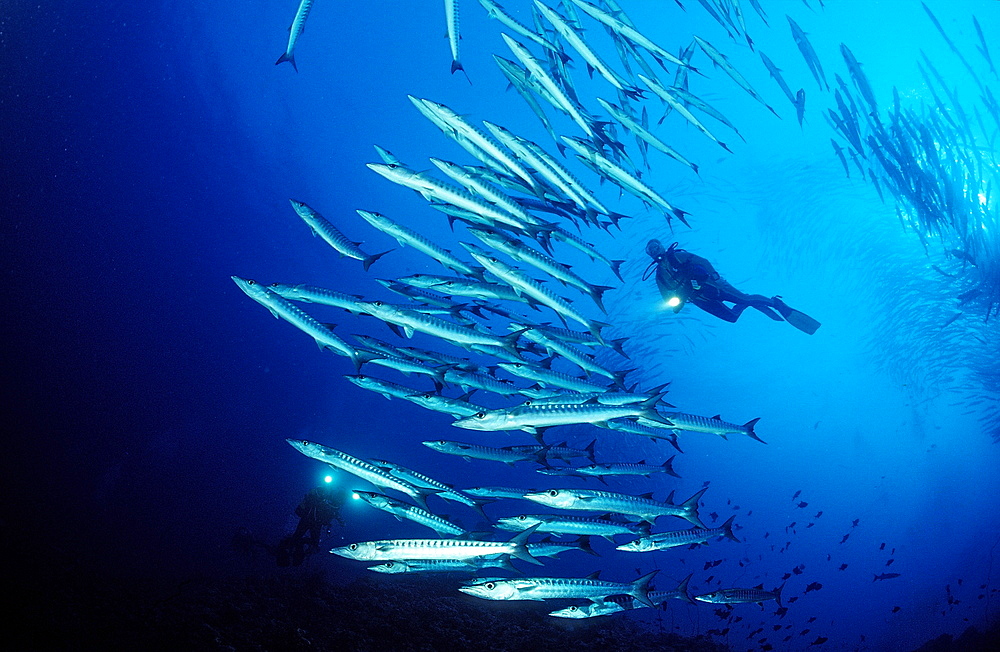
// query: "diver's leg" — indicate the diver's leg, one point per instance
point(718, 309)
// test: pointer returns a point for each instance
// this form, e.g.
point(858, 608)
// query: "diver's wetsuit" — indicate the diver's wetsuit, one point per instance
point(690, 278)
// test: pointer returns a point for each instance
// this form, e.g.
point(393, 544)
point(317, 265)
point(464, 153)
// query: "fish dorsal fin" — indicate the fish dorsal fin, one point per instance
point(649, 494)
point(717, 417)
point(670, 498)
point(642, 461)
point(759, 586)
point(596, 575)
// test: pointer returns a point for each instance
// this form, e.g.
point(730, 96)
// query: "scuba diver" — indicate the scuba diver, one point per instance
point(683, 277)
point(317, 510)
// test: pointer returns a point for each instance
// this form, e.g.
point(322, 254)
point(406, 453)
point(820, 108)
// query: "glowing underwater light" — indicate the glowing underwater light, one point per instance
point(355, 496)
point(328, 479)
point(673, 302)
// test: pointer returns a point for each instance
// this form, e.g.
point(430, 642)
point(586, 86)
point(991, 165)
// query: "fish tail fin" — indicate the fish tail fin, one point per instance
point(520, 549)
point(616, 267)
point(668, 467)
point(367, 262)
point(682, 588)
point(510, 341)
point(477, 505)
point(617, 346)
point(777, 594)
point(690, 507)
point(619, 377)
point(584, 544)
point(290, 58)
point(595, 329)
point(727, 529)
point(640, 588)
point(750, 431)
point(597, 293)
point(590, 451)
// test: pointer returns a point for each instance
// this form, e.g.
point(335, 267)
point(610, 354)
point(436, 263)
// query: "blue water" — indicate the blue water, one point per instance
point(149, 150)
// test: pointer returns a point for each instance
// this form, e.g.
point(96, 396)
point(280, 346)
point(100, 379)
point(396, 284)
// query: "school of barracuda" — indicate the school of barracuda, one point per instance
point(506, 305)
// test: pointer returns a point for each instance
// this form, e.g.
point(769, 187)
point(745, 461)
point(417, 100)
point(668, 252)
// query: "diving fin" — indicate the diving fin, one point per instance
point(799, 320)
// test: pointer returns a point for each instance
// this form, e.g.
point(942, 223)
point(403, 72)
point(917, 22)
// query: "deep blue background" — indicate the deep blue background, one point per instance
point(149, 152)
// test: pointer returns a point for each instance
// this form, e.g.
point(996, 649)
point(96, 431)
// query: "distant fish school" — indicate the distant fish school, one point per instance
point(505, 304)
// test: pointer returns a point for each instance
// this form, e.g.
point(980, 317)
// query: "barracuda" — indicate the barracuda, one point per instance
point(525, 254)
point(438, 191)
point(420, 480)
point(524, 220)
point(553, 90)
point(360, 468)
point(628, 32)
point(284, 309)
point(606, 398)
point(664, 540)
point(463, 287)
point(442, 565)
point(523, 84)
point(554, 588)
point(575, 241)
point(549, 377)
point(595, 62)
point(736, 595)
point(407, 549)
point(523, 284)
point(402, 365)
point(454, 35)
point(383, 387)
point(322, 296)
point(632, 427)
point(496, 493)
point(497, 12)
point(614, 604)
point(627, 468)
point(455, 407)
point(470, 381)
point(559, 451)
point(548, 548)
point(623, 178)
point(490, 453)
point(644, 134)
point(713, 426)
point(411, 320)
point(402, 510)
point(721, 61)
point(532, 418)
point(406, 236)
point(583, 360)
point(548, 167)
point(478, 138)
point(678, 106)
point(601, 527)
point(321, 227)
point(294, 32)
point(606, 501)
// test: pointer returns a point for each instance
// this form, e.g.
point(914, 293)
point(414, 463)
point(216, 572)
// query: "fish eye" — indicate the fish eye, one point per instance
point(273, 285)
point(522, 517)
point(250, 281)
point(574, 608)
point(390, 564)
point(442, 442)
point(490, 586)
point(553, 492)
point(377, 304)
point(480, 415)
point(353, 546)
